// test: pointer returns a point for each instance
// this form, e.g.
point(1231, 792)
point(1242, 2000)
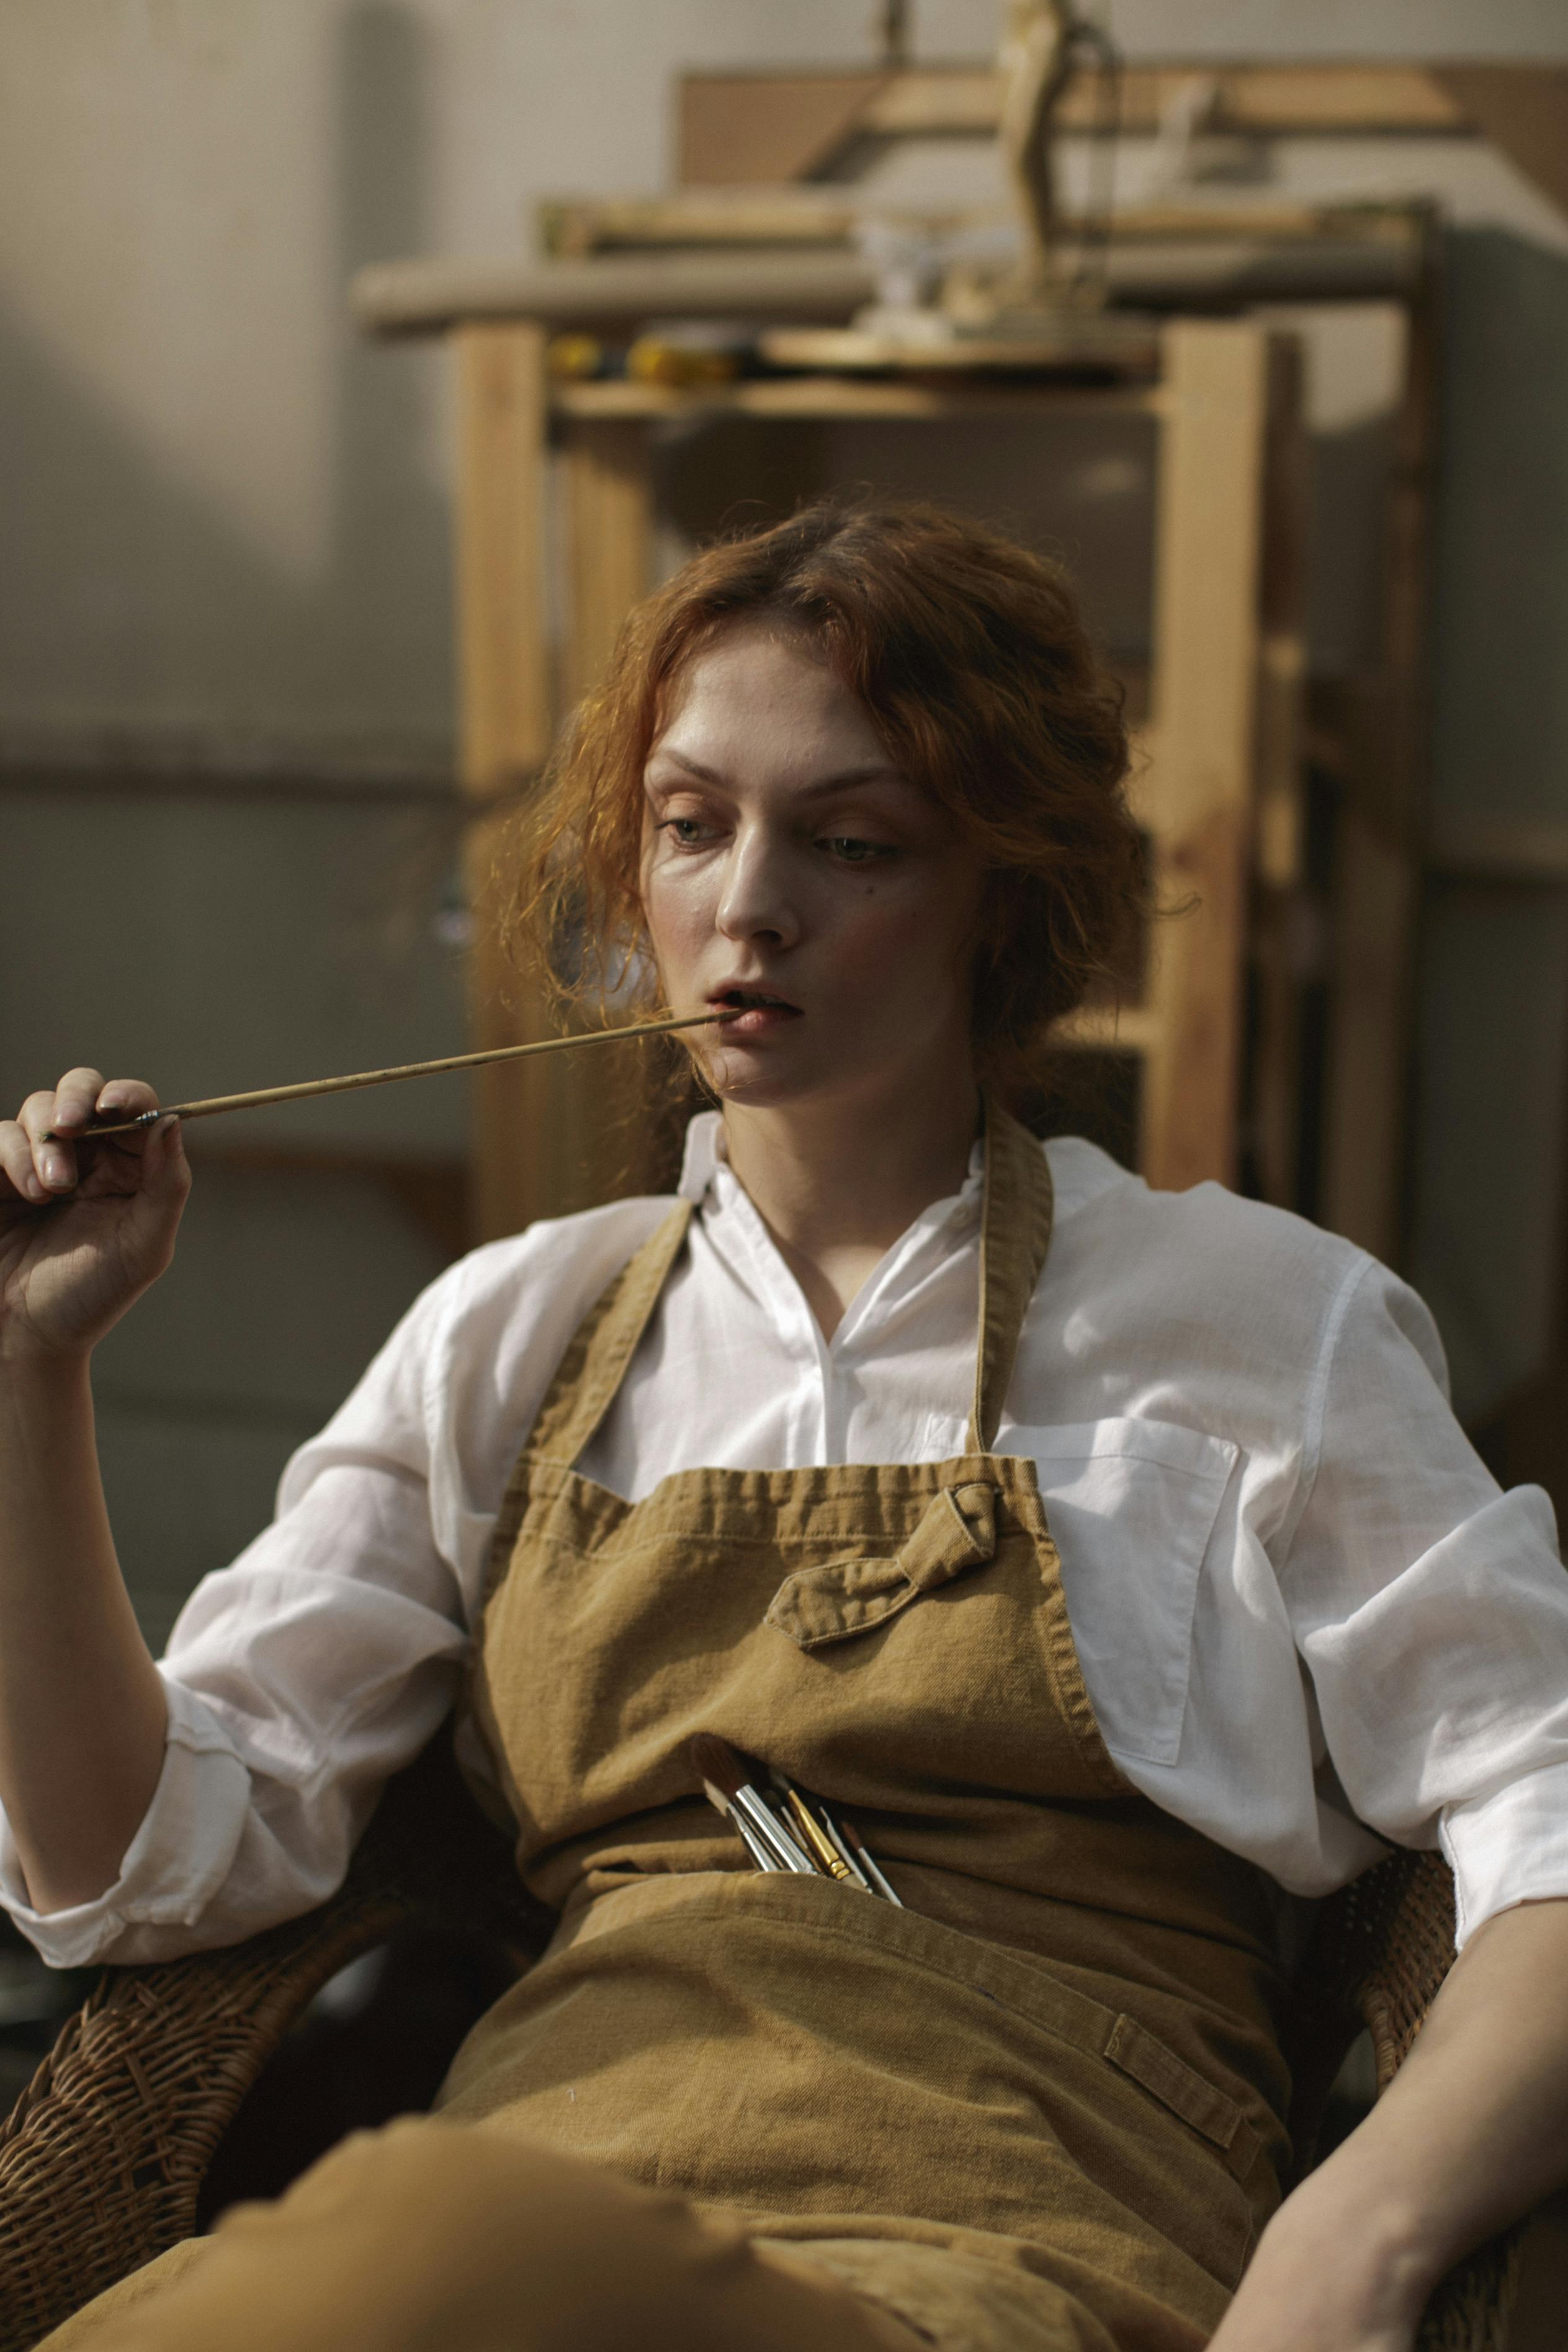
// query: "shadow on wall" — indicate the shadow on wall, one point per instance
point(1500, 623)
point(127, 602)
point(1490, 1150)
point(233, 935)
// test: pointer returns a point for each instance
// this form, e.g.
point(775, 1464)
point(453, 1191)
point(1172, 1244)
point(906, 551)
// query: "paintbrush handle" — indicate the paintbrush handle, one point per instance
point(212, 1103)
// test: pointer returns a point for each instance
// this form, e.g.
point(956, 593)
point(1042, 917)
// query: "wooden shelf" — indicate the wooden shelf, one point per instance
point(828, 397)
point(1109, 1029)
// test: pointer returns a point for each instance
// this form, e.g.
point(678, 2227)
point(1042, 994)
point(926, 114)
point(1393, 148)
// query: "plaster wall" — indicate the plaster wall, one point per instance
point(224, 561)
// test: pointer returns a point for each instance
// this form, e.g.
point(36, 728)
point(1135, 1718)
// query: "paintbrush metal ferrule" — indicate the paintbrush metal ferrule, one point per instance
point(820, 1813)
point(815, 1838)
point(209, 1106)
point(748, 1835)
point(772, 1831)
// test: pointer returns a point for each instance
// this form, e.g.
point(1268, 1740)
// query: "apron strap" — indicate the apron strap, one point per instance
point(1015, 1237)
point(594, 1367)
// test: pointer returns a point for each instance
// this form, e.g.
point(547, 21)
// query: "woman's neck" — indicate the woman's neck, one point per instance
point(835, 1191)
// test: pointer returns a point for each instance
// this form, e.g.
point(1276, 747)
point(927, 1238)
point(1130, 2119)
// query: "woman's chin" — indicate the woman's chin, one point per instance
point(759, 1078)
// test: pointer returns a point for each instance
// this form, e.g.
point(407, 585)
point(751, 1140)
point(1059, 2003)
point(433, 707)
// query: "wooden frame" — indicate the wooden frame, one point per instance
point(1217, 781)
point(741, 129)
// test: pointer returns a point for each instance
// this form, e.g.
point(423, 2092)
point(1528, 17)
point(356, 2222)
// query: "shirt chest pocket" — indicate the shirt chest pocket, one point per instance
point(1133, 1505)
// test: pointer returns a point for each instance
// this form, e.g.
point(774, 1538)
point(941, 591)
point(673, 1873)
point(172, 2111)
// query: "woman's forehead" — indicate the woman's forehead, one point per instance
point(757, 689)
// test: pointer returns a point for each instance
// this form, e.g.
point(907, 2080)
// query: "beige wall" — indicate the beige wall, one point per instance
point(223, 563)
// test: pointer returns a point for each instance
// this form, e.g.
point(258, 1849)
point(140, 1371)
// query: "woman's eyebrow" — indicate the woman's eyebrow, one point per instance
point(883, 773)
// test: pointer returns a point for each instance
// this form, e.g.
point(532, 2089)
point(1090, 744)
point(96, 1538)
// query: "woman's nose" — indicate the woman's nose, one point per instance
point(757, 902)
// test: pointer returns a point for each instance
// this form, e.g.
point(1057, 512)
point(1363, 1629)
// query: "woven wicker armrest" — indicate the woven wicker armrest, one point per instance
point(103, 2157)
point(1378, 1958)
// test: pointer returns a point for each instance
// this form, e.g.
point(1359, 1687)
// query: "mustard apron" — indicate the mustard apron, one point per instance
point(1039, 2106)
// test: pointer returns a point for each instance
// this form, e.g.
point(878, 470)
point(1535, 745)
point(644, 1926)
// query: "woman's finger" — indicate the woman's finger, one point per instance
point(125, 1098)
point(54, 1163)
point(16, 1163)
point(75, 1098)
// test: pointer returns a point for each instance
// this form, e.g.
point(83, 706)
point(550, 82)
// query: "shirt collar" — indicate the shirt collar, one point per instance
point(705, 1171)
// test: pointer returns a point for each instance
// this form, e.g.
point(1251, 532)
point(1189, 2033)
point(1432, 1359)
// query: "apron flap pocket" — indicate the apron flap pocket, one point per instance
point(840, 1598)
point(1176, 2085)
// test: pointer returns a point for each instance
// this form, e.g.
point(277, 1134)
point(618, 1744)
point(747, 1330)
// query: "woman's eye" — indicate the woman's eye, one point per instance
point(687, 832)
point(851, 851)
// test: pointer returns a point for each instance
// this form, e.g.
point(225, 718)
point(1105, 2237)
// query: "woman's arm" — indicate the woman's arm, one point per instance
point(83, 1231)
point(1471, 2133)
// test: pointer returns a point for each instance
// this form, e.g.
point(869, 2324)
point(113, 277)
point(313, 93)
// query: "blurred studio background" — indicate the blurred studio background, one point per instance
point(361, 360)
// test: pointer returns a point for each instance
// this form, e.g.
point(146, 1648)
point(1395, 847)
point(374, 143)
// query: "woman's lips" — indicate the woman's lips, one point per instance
point(753, 1013)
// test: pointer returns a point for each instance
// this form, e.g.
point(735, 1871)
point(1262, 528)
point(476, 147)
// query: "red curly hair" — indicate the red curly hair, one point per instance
point(974, 662)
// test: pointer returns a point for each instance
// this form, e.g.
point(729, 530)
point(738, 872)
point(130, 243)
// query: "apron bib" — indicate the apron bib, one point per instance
point(1061, 2057)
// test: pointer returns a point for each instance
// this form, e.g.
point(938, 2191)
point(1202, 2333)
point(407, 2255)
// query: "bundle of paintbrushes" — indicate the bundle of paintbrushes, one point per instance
point(783, 1827)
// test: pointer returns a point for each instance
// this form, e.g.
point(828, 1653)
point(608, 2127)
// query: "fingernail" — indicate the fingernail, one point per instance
point(57, 1168)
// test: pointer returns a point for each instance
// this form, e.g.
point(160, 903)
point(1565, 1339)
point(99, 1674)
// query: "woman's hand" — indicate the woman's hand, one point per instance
point(1471, 2133)
point(85, 1227)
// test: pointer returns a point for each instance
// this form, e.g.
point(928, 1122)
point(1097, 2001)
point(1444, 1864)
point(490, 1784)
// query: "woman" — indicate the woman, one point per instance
point(855, 782)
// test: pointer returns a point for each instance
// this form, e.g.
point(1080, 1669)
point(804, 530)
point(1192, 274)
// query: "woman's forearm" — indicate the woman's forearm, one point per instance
point(82, 1713)
point(1473, 2132)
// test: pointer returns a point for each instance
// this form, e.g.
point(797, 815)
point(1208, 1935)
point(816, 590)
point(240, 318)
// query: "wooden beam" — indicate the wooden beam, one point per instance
point(1272, 1086)
point(503, 684)
point(506, 724)
point(747, 129)
point(840, 396)
point(609, 533)
point(1523, 111)
point(1208, 544)
point(1377, 854)
point(1331, 98)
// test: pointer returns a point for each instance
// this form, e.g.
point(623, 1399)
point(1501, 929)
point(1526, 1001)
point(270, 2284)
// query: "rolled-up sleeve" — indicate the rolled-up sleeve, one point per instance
point(297, 1681)
point(1431, 1611)
point(302, 1677)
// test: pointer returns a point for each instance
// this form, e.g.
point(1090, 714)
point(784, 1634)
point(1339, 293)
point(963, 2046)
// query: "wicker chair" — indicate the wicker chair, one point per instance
point(103, 2162)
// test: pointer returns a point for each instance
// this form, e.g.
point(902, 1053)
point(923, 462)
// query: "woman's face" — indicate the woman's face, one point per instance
point(788, 867)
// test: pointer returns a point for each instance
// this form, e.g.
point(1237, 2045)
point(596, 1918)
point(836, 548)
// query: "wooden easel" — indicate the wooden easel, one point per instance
point(1218, 787)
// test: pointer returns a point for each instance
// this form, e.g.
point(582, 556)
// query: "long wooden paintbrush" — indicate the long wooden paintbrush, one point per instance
point(212, 1103)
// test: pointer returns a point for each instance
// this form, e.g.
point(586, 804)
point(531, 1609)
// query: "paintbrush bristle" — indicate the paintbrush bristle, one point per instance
point(715, 1759)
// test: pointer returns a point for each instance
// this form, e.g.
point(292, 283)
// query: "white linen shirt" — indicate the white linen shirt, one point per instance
point(1308, 1619)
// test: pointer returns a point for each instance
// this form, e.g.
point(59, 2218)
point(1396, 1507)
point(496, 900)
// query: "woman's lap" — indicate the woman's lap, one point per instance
point(438, 2237)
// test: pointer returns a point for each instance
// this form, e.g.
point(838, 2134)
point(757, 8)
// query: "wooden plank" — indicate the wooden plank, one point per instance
point(750, 127)
point(1368, 1080)
point(1335, 98)
point(505, 717)
point(1073, 338)
point(1523, 112)
point(1273, 1081)
point(1209, 543)
point(1367, 1075)
point(746, 129)
point(607, 511)
point(426, 297)
point(1108, 1029)
point(1282, 649)
point(761, 218)
point(503, 682)
point(610, 533)
point(571, 227)
point(841, 396)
